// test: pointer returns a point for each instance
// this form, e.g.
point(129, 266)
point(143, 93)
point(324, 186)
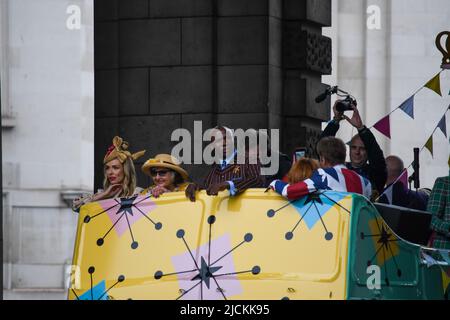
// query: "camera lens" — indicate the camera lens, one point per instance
point(344, 105)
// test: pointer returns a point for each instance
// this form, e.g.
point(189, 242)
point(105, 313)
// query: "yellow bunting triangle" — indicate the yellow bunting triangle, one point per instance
point(429, 145)
point(435, 84)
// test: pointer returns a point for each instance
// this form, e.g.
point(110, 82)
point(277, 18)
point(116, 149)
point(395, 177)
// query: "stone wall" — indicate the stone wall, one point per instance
point(161, 65)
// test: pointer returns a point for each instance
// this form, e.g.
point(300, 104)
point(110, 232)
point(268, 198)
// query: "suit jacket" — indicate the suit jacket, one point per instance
point(243, 176)
point(403, 197)
point(285, 165)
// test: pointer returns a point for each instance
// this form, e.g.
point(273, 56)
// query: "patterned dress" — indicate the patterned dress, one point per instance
point(439, 206)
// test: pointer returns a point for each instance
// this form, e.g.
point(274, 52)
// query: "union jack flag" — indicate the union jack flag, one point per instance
point(337, 178)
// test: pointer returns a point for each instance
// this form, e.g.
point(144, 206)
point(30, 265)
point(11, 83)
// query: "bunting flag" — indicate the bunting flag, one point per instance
point(408, 107)
point(443, 126)
point(388, 193)
point(429, 145)
point(435, 84)
point(384, 126)
point(404, 178)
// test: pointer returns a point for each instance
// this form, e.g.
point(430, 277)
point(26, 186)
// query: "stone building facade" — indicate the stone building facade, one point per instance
point(161, 65)
point(47, 104)
point(383, 66)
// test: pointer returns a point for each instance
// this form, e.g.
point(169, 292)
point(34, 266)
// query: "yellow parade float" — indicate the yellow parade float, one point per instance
point(258, 245)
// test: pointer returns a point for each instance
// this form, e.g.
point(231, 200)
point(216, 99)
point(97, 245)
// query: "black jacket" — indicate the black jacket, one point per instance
point(375, 169)
point(285, 165)
point(403, 197)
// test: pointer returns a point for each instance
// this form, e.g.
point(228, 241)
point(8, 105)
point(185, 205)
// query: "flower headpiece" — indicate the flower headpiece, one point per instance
point(119, 150)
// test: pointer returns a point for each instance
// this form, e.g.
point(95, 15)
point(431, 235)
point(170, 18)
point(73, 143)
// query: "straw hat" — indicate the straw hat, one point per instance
point(164, 161)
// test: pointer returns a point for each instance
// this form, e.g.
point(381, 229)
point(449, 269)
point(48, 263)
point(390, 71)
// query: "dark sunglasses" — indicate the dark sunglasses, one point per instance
point(161, 173)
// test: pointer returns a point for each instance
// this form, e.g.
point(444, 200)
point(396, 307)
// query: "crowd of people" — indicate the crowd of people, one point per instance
point(368, 173)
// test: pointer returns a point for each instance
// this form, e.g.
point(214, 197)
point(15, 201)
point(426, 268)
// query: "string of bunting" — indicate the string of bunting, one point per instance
point(403, 177)
point(384, 126)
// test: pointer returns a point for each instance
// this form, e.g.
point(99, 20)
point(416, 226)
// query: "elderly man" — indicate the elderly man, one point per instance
point(399, 194)
point(227, 174)
point(332, 174)
point(366, 156)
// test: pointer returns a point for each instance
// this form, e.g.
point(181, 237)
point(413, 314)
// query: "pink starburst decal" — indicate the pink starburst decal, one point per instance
point(211, 290)
point(123, 213)
point(134, 208)
point(208, 272)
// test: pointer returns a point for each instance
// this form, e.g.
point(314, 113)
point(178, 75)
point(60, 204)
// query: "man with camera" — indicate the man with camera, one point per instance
point(366, 156)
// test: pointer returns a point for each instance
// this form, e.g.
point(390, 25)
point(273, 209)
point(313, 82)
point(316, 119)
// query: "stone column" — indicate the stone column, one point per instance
point(306, 56)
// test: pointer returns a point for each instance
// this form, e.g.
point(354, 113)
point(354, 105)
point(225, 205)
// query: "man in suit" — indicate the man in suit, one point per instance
point(226, 174)
point(396, 192)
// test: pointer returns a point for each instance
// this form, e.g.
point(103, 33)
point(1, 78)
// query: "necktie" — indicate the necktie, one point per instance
point(224, 164)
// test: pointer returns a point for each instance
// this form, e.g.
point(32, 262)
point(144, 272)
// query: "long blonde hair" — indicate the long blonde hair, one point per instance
point(129, 179)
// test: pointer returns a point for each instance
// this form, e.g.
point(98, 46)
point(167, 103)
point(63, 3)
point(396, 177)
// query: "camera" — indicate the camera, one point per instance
point(346, 104)
point(341, 105)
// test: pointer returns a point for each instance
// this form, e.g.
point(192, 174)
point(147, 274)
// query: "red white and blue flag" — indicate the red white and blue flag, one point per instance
point(337, 178)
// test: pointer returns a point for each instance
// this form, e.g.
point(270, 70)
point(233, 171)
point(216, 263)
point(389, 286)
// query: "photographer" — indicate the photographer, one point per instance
point(366, 156)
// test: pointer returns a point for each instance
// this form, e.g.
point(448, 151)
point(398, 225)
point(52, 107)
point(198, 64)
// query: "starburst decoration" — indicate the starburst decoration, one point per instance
point(99, 291)
point(123, 213)
point(321, 202)
point(384, 241)
point(199, 276)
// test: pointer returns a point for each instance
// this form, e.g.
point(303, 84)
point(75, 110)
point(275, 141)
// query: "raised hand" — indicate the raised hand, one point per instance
point(214, 189)
point(355, 120)
point(158, 190)
point(112, 191)
point(190, 191)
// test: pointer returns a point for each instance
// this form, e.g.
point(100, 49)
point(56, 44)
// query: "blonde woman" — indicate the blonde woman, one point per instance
point(119, 175)
point(167, 175)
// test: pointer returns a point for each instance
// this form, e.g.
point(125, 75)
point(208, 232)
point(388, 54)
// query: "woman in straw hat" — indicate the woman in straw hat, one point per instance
point(119, 174)
point(167, 175)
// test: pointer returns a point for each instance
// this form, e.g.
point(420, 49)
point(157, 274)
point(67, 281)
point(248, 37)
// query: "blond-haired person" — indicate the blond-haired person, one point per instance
point(119, 174)
point(167, 175)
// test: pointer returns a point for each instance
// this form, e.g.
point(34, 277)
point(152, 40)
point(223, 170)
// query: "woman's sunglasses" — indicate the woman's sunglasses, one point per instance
point(161, 173)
